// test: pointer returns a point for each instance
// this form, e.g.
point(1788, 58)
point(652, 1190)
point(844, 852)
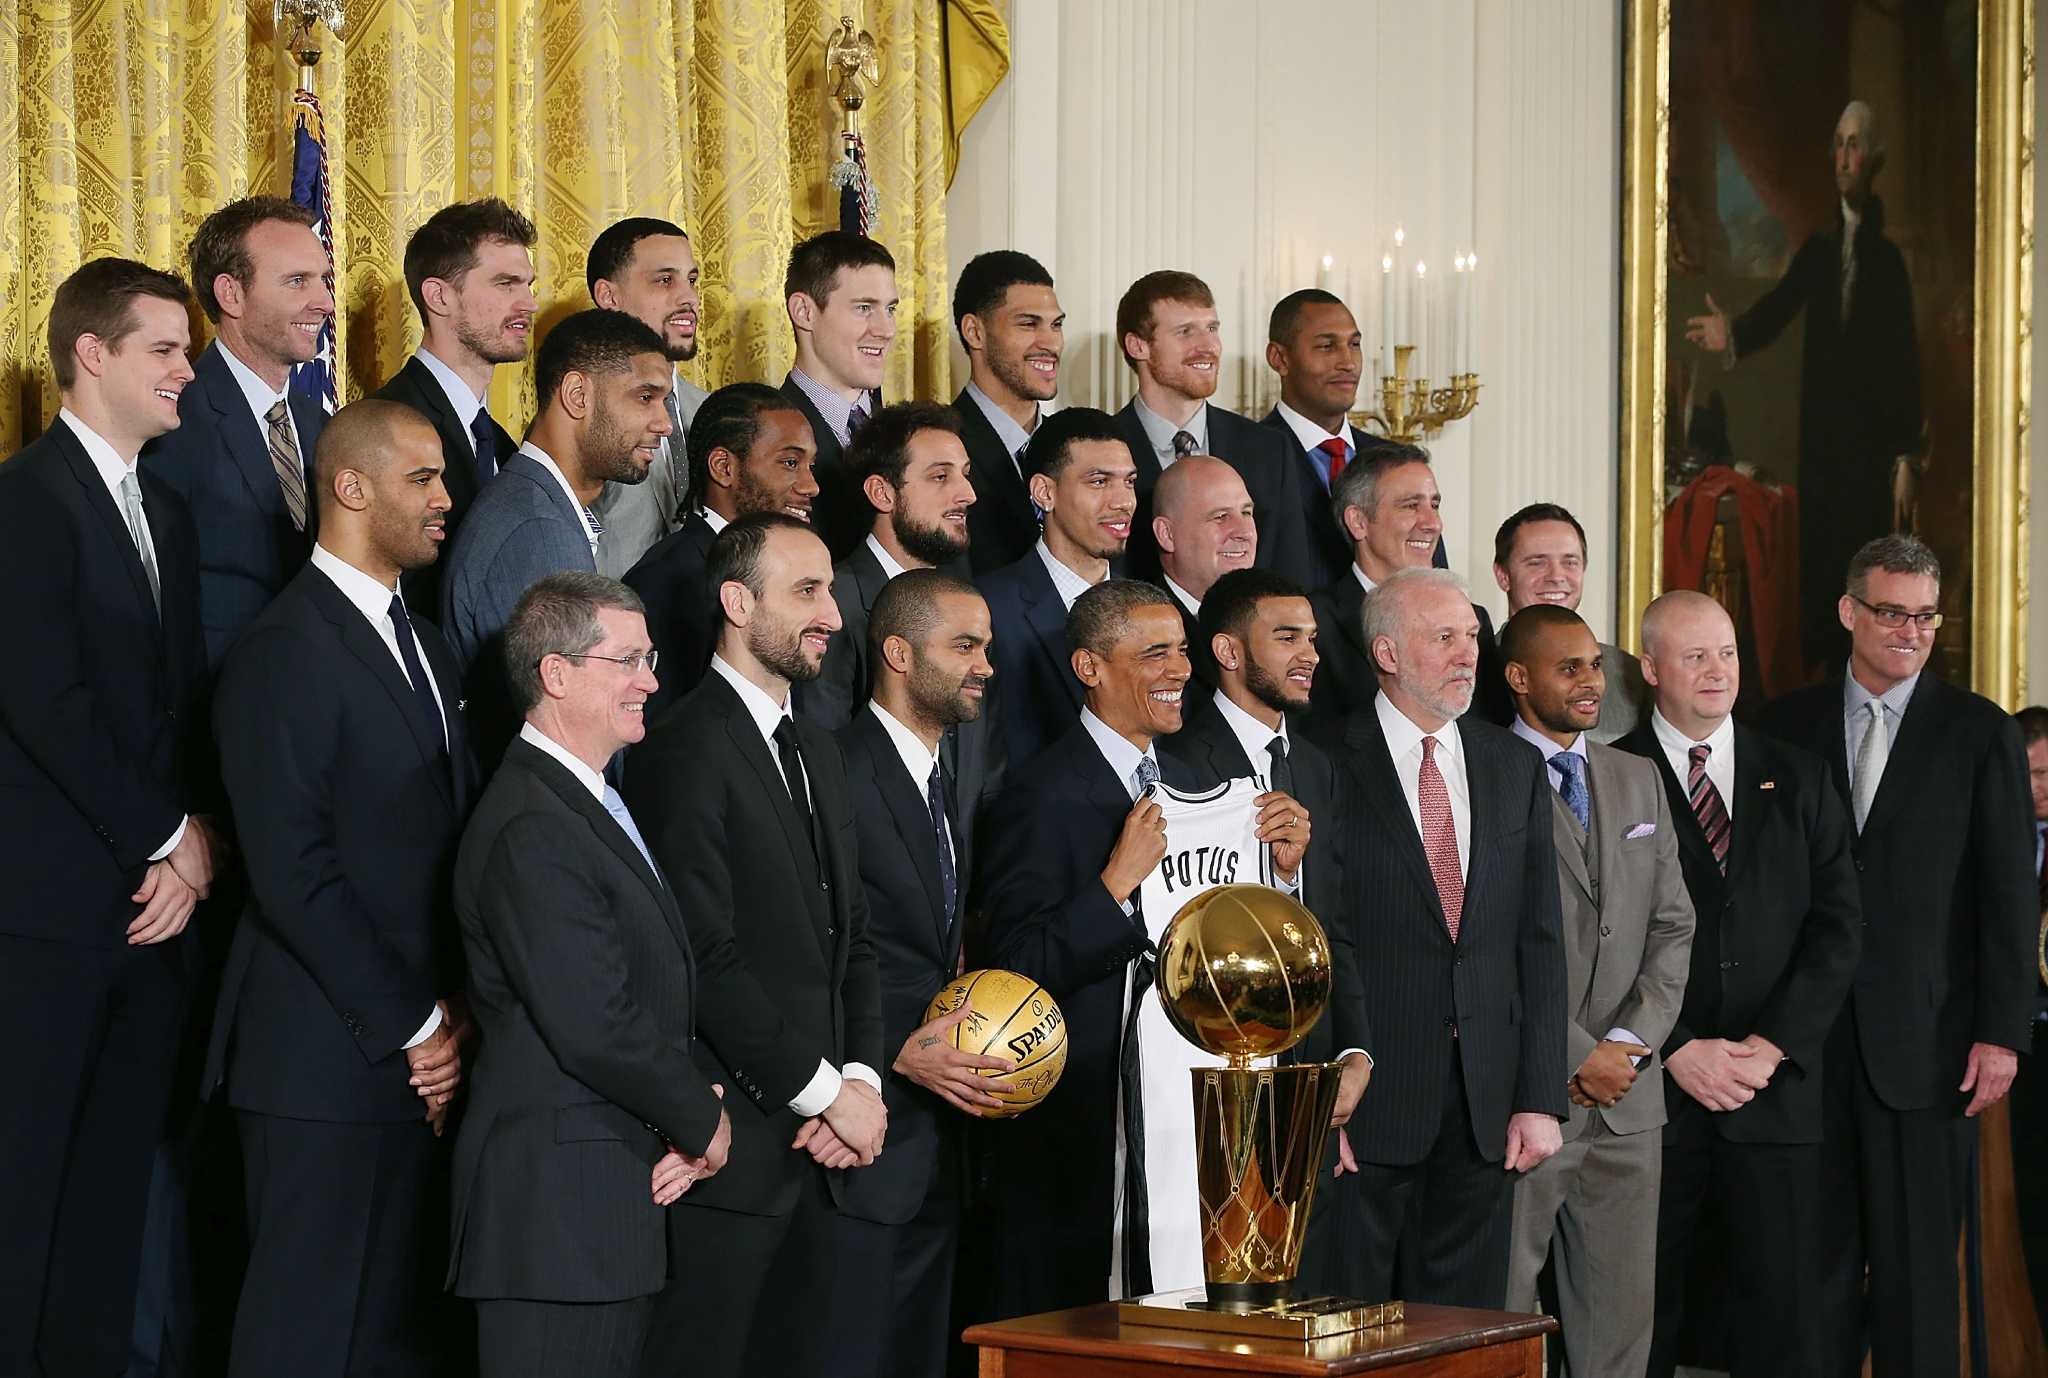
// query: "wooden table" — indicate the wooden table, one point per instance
point(1433, 1342)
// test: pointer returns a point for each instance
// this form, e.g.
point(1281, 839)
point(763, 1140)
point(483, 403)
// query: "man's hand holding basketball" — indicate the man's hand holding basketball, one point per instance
point(930, 1059)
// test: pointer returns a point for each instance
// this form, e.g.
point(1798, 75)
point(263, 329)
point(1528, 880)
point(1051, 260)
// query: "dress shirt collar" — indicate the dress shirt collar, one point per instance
point(836, 410)
point(1068, 584)
point(1545, 745)
point(1253, 735)
point(1404, 736)
point(260, 396)
point(766, 712)
point(571, 762)
point(918, 759)
point(1852, 220)
point(1676, 743)
point(1160, 432)
point(547, 462)
point(1116, 749)
point(1310, 434)
point(1187, 600)
point(466, 403)
point(112, 468)
point(1013, 436)
point(371, 599)
point(890, 568)
point(1894, 699)
point(1364, 580)
point(713, 520)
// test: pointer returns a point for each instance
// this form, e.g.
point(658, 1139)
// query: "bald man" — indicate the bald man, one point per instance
point(1202, 524)
point(342, 747)
point(1763, 840)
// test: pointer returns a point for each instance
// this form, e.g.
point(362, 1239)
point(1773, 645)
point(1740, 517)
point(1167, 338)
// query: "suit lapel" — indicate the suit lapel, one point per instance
point(1489, 808)
point(1643, 742)
point(1383, 792)
point(364, 643)
point(1571, 844)
point(607, 829)
point(1834, 735)
point(247, 445)
point(1752, 767)
point(911, 814)
point(994, 465)
point(1048, 618)
point(796, 834)
point(111, 517)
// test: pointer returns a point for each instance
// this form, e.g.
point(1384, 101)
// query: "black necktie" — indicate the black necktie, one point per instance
point(949, 880)
point(1281, 773)
point(793, 775)
point(1130, 1076)
point(486, 434)
point(428, 711)
point(856, 420)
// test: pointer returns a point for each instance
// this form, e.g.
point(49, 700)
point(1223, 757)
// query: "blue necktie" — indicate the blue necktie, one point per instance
point(616, 807)
point(1571, 769)
point(949, 878)
point(486, 434)
point(424, 706)
point(1146, 775)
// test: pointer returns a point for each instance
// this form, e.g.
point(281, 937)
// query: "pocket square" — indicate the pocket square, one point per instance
point(1639, 830)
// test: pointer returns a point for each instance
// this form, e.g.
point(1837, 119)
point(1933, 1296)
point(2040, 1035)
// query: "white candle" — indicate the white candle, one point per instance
point(1386, 315)
point(1421, 340)
point(1324, 276)
point(1471, 275)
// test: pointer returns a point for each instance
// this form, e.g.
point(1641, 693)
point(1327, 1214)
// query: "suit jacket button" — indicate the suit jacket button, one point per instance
point(1726, 965)
point(831, 931)
point(1605, 931)
point(824, 885)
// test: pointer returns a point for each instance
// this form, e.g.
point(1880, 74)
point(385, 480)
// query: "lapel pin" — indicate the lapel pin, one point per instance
point(1768, 784)
point(462, 705)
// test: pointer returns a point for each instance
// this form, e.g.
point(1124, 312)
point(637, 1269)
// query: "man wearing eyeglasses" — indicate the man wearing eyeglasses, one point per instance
point(1937, 784)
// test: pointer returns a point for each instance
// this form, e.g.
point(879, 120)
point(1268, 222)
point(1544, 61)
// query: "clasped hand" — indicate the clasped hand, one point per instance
point(849, 1133)
point(677, 1171)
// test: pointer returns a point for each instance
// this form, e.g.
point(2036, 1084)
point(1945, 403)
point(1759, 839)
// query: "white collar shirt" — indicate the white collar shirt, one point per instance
point(570, 761)
point(1720, 755)
point(466, 403)
point(1404, 745)
point(583, 513)
point(261, 397)
point(1183, 597)
point(917, 758)
point(890, 568)
point(1065, 582)
point(1013, 436)
point(1159, 432)
point(373, 601)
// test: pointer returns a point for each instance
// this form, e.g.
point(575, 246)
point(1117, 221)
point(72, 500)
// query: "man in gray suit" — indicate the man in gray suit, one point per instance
point(1539, 556)
point(1628, 924)
point(603, 381)
point(646, 268)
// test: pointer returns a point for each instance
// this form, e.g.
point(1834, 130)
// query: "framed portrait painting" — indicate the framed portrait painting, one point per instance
point(1827, 223)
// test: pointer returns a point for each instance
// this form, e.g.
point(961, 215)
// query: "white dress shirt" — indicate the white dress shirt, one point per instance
point(917, 758)
point(1310, 434)
point(823, 1087)
point(373, 601)
point(1065, 582)
point(1013, 436)
point(836, 411)
point(1183, 597)
point(713, 520)
point(261, 397)
point(1404, 744)
point(583, 513)
point(1720, 759)
point(1856, 712)
point(569, 760)
point(1364, 580)
point(1160, 432)
point(112, 470)
point(466, 403)
point(890, 569)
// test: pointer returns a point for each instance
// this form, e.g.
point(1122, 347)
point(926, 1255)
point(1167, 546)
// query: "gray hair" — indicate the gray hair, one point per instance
point(557, 616)
point(1386, 608)
point(1359, 485)
point(1866, 119)
point(1894, 554)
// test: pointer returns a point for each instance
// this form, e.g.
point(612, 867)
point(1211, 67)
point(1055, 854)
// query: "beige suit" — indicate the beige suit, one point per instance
point(1628, 924)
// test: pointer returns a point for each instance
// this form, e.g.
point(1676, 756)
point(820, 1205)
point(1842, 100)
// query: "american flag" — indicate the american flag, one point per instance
point(315, 377)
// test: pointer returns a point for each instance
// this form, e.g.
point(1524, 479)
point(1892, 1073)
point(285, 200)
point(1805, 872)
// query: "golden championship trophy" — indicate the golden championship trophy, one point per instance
point(1244, 972)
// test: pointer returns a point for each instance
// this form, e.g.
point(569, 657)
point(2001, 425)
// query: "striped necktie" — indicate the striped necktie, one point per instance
point(284, 458)
point(1707, 806)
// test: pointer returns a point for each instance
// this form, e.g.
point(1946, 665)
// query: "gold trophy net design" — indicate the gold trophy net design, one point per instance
point(1244, 972)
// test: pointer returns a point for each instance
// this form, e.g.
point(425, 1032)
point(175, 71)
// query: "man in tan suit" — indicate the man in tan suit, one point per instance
point(1628, 923)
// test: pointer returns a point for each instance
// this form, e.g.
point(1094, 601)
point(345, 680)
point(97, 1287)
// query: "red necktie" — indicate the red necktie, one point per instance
point(1440, 838)
point(1336, 450)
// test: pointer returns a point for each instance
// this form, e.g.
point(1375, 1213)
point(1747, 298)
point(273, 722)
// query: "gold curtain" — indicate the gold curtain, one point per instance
point(124, 122)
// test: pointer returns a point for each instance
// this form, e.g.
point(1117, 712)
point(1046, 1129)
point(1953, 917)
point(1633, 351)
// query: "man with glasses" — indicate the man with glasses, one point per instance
point(1937, 784)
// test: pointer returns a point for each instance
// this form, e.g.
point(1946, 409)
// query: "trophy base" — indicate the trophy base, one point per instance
point(1309, 1318)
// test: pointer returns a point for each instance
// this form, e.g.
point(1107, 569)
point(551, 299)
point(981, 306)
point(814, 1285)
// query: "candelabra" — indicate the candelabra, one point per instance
point(1411, 409)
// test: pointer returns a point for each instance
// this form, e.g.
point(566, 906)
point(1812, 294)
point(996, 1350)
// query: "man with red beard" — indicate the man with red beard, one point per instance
point(1173, 340)
point(469, 270)
point(746, 810)
point(1083, 478)
point(1014, 332)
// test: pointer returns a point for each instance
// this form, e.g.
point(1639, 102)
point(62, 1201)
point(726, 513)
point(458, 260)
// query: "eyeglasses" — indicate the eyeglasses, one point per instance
point(1899, 617)
point(631, 662)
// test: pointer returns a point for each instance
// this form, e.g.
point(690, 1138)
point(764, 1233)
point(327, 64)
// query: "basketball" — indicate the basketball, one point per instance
point(1013, 1017)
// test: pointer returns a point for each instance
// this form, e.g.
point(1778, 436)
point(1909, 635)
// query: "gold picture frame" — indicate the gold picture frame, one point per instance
point(2003, 290)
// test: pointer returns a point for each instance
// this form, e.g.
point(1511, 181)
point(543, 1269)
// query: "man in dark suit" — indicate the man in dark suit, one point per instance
point(1764, 846)
point(1014, 332)
point(343, 749)
point(242, 452)
point(896, 1236)
point(469, 270)
point(914, 480)
point(1590, 1212)
point(602, 382)
point(1261, 636)
point(1171, 337)
point(841, 294)
point(587, 1096)
point(1083, 478)
point(1313, 344)
point(1203, 527)
point(746, 810)
point(647, 269)
point(2030, 1087)
point(1539, 557)
point(1390, 507)
point(1937, 784)
point(1449, 851)
point(103, 747)
point(751, 451)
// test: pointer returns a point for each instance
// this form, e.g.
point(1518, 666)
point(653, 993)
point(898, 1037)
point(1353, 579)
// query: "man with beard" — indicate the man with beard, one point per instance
point(1591, 1210)
point(603, 381)
point(1539, 559)
point(335, 1040)
point(1171, 337)
point(746, 811)
point(1083, 478)
point(1313, 343)
point(1261, 638)
point(914, 477)
point(469, 270)
point(1448, 849)
point(896, 1236)
point(1203, 526)
point(646, 268)
point(751, 451)
point(1014, 332)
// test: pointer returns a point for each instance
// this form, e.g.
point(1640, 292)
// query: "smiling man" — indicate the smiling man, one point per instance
point(1539, 556)
point(1083, 478)
point(1014, 332)
point(1204, 527)
point(1937, 784)
point(603, 382)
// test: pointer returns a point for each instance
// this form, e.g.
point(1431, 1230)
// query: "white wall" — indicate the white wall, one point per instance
point(1243, 141)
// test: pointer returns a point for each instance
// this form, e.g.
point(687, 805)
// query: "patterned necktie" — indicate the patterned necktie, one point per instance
point(1130, 1077)
point(1184, 445)
point(1871, 754)
point(949, 879)
point(1571, 769)
point(284, 457)
point(486, 437)
point(678, 466)
point(616, 807)
point(424, 707)
point(131, 503)
point(1339, 454)
point(1707, 806)
point(1440, 838)
point(856, 420)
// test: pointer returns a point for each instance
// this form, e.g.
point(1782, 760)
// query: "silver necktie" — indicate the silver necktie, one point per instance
point(1871, 754)
point(138, 531)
